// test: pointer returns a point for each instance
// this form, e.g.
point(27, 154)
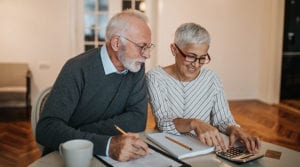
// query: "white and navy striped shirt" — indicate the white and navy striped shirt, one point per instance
point(203, 98)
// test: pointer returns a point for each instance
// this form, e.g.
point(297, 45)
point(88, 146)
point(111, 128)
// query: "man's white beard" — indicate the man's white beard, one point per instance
point(130, 64)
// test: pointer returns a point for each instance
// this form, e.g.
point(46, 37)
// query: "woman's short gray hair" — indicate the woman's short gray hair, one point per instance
point(119, 23)
point(191, 33)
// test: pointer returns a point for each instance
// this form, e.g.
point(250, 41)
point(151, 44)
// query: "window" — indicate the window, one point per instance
point(136, 4)
point(95, 21)
point(96, 15)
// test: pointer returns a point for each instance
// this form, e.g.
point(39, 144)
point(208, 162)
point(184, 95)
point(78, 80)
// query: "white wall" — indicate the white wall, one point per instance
point(245, 48)
point(37, 32)
point(240, 46)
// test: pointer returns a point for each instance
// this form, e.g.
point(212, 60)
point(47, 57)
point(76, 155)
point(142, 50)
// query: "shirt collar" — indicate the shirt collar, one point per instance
point(108, 66)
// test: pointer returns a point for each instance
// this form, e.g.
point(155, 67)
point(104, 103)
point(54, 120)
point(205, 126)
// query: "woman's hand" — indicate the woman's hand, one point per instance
point(235, 133)
point(207, 134)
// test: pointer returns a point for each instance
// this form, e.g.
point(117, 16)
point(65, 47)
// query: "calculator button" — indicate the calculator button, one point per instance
point(238, 155)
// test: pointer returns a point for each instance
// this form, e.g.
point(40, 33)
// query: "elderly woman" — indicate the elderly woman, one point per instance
point(187, 97)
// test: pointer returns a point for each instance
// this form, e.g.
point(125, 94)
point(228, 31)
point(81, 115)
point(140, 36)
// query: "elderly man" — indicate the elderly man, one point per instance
point(101, 88)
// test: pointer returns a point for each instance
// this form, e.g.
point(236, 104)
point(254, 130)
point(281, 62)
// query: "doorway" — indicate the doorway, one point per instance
point(290, 78)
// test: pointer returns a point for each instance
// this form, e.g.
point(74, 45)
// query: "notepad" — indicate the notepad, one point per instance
point(177, 150)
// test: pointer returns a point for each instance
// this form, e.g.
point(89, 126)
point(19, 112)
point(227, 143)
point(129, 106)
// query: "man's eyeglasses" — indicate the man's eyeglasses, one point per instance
point(203, 59)
point(143, 46)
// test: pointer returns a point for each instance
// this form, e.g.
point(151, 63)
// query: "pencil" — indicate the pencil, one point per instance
point(124, 133)
point(120, 130)
point(179, 143)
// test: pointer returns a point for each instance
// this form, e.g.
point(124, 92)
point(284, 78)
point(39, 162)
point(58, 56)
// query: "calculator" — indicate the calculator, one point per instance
point(238, 155)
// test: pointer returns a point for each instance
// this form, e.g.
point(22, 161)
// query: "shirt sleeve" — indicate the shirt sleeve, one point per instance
point(160, 103)
point(107, 147)
point(221, 115)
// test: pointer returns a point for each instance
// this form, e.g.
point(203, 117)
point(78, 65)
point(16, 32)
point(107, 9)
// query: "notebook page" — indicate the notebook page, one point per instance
point(177, 150)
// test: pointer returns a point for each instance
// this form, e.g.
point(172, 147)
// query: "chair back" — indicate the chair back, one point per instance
point(37, 110)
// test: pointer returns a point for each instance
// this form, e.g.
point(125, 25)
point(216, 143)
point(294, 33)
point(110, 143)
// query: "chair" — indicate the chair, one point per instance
point(15, 86)
point(37, 109)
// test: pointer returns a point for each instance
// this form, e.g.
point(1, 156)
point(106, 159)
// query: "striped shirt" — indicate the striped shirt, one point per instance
point(203, 98)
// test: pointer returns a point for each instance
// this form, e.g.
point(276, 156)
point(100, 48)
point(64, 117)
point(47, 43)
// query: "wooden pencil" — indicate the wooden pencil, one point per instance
point(179, 143)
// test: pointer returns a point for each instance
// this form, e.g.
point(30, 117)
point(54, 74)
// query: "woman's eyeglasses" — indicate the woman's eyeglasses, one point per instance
point(203, 59)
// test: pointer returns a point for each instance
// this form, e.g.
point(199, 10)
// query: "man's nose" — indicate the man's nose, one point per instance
point(146, 54)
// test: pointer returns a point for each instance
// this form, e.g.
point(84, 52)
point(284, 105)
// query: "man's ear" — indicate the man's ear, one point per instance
point(115, 43)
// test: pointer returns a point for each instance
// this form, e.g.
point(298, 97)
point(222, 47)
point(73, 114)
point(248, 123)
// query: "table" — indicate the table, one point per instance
point(288, 158)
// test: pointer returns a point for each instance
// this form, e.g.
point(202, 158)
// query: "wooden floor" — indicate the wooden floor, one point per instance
point(17, 145)
point(278, 124)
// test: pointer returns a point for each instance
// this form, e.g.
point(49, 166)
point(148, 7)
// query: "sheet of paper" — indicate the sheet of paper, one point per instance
point(152, 159)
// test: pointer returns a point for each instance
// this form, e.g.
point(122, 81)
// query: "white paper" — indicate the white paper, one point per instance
point(177, 150)
point(153, 159)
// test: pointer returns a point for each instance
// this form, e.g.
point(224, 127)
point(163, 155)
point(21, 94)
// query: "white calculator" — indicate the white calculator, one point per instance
point(238, 155)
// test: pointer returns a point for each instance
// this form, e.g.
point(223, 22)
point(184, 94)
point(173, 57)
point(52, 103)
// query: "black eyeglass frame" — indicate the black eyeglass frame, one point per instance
point(203, 59)
point(143, 47)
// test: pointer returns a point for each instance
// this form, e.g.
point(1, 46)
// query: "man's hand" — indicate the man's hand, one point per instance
point(127, 147)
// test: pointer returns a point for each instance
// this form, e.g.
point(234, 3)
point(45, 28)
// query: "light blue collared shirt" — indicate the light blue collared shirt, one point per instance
point(108, 66)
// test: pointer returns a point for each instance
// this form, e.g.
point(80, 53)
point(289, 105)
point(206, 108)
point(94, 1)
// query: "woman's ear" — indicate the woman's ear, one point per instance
point(172, 47)
point(115, 43)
